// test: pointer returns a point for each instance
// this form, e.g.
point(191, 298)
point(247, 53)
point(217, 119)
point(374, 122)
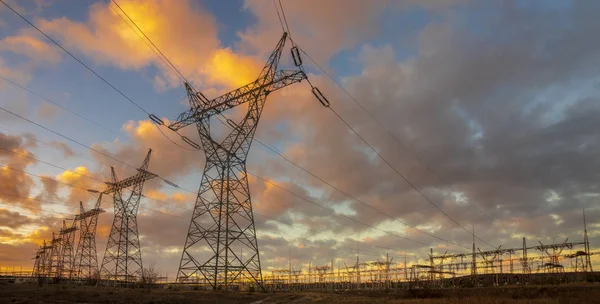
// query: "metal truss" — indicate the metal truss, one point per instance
point(221, 247)
point(123, 256)
point(86, 258)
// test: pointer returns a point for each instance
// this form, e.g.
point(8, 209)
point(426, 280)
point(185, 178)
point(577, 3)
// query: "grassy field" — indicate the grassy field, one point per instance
point(20, 293)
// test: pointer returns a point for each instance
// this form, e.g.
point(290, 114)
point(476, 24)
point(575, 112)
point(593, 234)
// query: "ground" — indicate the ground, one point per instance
point(25, 293)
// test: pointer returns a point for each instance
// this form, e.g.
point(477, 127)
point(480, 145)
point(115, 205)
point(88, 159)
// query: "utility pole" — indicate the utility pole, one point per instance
point(123, 256)
point(223, 216)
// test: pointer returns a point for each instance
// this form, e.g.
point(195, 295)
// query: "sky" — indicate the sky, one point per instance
point(488, 108)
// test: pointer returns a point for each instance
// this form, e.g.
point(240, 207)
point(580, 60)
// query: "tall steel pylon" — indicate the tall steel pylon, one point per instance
point(123, 256)
point(67, 236)
point(222, 220)
point(86, 258)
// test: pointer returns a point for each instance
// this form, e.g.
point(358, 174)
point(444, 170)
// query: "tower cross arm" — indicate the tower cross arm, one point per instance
point(262, 85)
point(141, 176)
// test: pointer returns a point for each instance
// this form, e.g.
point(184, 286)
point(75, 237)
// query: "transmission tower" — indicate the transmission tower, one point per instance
point(54, 261)
point(123, 256)
point(222, 219)
point(42, 259)
point(86, 259)
point(67, 236)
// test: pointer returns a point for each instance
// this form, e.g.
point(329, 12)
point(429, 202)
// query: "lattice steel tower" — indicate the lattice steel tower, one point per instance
point(123, 256)
point(53, 264)
point(67, 235)
point(86, 258)
point(222, 219)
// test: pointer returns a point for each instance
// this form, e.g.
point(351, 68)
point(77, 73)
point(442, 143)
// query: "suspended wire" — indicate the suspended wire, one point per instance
point(66, 137)
point(107, 83)
point(103, 79)
point(408, 181)
point(73, 172)
point(74, 186)
point(146, 208)
point(312, 202)
point(95, 123)
point(227, 125)
point(379, 155)
point(279, 16)
point(150, 40)
point(285, 20)
point(74, 57)
point(343, 215)
point(398, 140)
point(356, 199)
point(78, 60)
point(56, 104)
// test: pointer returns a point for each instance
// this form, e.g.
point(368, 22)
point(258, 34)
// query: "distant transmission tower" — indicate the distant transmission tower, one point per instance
point(67, 235)
point(221, 246)
point(54, 261)
point(42, 260)
point(123, 256)
point(86, 259)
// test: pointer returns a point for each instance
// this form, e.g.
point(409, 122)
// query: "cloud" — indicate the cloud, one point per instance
point(185, 33)
point(323, 28)
point(27, 44)
point(64, 148)
point(81, 180)
point(15, 186)
point(13, 220)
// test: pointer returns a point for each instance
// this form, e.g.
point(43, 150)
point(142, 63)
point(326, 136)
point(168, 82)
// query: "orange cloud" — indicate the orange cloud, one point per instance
point(185, 33)
point(78, 177)
point(25, 43)
point(231, 69)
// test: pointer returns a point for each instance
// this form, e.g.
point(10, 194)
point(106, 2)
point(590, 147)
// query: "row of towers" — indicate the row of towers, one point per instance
point(60, 259)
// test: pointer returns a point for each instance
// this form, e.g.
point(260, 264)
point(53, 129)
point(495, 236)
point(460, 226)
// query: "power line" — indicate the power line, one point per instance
point(285, 20)
point(60, 46)
point(279, 16)
point(355, 198)
point(398, 140)
point(65, 137)
point(263, 179)
point(74, 57)
point(379, 155)
point(73, 172)
point(150, 40)
point(333, 211)
point(406, 179)
point(271, 149)
point(185, 209)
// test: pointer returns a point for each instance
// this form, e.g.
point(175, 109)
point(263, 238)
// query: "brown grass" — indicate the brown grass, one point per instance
point(18, 293)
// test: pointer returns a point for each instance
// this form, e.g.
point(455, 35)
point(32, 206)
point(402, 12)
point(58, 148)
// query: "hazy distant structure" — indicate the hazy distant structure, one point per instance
point(123, 256)
point(86, 258)
point(222, 219)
